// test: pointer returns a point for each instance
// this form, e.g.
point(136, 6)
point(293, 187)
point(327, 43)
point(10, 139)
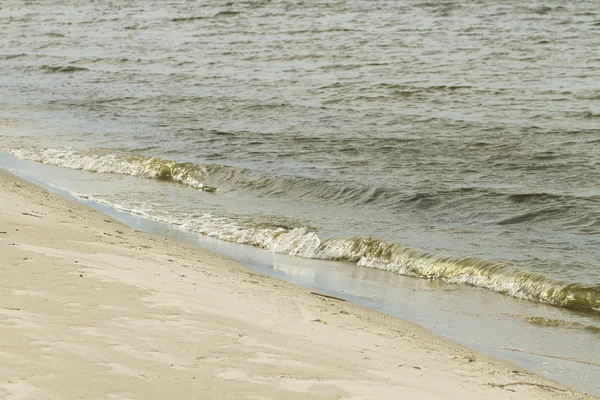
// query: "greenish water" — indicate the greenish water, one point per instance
point(455, 141)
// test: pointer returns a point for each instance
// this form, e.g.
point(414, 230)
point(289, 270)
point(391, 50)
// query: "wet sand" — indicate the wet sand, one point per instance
point(90, 308)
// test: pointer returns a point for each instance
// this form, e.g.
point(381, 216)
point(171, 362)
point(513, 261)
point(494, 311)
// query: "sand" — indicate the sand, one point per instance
point(91, 309)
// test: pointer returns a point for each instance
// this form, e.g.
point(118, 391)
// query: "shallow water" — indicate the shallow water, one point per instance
point(453, 141)
point(554, 342)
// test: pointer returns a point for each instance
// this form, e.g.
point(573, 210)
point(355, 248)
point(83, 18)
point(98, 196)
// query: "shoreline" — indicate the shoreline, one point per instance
point(147, 317)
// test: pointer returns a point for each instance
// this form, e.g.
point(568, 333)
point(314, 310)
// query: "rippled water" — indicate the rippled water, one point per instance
point(455, 141)
point(447, 140)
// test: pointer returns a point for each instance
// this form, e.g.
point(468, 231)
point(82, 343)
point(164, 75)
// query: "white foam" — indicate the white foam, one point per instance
point(146, 167)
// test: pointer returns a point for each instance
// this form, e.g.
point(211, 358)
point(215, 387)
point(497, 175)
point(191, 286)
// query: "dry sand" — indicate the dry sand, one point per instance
point(91, 309)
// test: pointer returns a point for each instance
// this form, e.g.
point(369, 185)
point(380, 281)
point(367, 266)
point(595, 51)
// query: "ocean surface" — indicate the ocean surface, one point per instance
point(453, 141)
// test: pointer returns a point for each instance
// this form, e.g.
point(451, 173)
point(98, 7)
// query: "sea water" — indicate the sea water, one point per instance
point(457, 142)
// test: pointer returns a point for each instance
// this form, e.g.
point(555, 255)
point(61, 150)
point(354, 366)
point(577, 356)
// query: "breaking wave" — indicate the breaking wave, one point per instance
point(147, 167)
point(367, 252)
point(195, 175)
point(374, 253)
point(532, 208)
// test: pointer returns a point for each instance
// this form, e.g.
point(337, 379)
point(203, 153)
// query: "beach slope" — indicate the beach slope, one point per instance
point(90, 308)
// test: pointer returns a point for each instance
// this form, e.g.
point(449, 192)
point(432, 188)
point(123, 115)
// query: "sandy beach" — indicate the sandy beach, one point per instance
point(90, 309)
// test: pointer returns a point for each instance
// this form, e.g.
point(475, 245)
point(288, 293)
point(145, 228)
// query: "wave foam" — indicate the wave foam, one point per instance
point(147, 167)
point(303, 242)
point(375, 253)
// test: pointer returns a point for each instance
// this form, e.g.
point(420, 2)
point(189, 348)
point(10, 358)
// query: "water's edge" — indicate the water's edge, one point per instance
point(285, 237)
point(328, 280)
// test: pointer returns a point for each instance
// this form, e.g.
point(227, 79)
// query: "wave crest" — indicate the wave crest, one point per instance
point(147, 167)
point(374, 253)
point(501, 278)
point(303, 242)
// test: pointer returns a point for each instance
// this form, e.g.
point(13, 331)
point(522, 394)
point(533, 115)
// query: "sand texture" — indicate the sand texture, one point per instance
point(91, 309)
